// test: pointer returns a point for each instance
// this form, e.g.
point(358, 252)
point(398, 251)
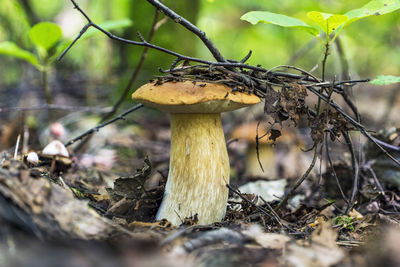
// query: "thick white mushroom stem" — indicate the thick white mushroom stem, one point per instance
point(198, 172)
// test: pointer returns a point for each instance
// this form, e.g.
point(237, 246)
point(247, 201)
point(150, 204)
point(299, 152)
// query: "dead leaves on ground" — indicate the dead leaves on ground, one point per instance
point(31, 199)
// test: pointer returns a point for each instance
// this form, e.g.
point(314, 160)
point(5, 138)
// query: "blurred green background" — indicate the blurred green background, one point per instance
point(96, 70)
point(371, 46)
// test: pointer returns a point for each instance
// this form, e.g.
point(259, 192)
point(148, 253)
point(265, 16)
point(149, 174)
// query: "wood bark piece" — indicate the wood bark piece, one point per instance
point(47, 209)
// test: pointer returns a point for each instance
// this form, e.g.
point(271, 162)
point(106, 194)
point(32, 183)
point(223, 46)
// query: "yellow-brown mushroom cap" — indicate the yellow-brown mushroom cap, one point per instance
point(248, 132)
point(192, 97)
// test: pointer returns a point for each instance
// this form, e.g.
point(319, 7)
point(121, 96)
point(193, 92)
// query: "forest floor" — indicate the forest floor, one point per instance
point(81, 211)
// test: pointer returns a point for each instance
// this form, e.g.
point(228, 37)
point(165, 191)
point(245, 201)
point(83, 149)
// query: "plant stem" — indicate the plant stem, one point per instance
point(324, 60)
point(46, 86)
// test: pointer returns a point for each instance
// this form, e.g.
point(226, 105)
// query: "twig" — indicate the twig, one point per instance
point(355, 165)
point(378, 184)
point(56, 107)
point(142, 43)
point(83, 30)
point(258, 138)
point(17, 147)
point(314, 79)
point(277, 218)
point(326, 54)
point(249, 80)
point(134, 75)
point(188, 25)
point(333, 170)
point(226, 64)
point(246, 57)
point(356, 124)
point(257, 148)
point(392, 147)
point(98, 127)
point(262, 210)
point(299, 181)
point(155, 25)
point(248, 201)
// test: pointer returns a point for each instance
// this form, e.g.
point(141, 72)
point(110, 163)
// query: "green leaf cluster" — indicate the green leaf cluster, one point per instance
point(330, 24)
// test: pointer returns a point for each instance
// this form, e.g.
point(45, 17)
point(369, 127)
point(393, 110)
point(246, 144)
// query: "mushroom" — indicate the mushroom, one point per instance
point(56, 150)
point(247, 133)
point(266, 152)
point(32, 159)
point(199, 164)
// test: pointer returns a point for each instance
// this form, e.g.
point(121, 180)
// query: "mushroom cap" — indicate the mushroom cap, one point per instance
point(248, 132)
point(55, 148)
point(32, 158)
point(192, 97)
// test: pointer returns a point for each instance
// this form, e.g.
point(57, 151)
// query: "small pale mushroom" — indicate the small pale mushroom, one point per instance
point(55, 148)
point(32, 158)
point(199, 164)
point(56, 151)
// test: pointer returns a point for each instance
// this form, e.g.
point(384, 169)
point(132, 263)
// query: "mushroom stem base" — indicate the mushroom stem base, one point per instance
point(199, 170)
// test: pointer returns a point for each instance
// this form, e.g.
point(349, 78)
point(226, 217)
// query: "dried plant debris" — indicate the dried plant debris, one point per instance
point(285, 97)
point(312, 236)
point(291, 102)
point(129, 198)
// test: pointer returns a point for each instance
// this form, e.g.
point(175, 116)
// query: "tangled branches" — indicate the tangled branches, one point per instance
point(284, 92)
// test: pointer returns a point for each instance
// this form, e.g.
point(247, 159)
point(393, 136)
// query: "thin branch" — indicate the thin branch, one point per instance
point(378, 184)
point(326, 54)
point(84, 29)
point(98, 127)
point(355, 165)
point(246, 57)
point(382, 143)
point(333, 170)
point(261, 209)
point(257, 139)
point(299, 181)
point(145, 43)
point(251, 81)
point(356, 124)
point(138, 67)
point(188, 25)
point(55, 107)
point(250, 202)
point(308, 74)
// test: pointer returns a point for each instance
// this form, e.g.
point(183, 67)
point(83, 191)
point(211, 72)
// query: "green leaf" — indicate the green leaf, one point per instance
point(385, 80)
point(45, 35)
point(255, 17)
point(327, 22)
point(11, 49)
point(373, 8)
